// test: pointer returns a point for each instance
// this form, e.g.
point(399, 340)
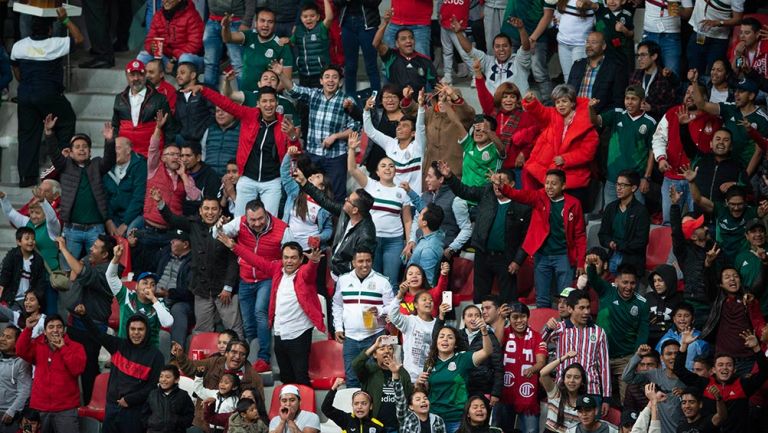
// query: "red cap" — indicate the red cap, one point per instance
point(690, 225)
point(134, 66)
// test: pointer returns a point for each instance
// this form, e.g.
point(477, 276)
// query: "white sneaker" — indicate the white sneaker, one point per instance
point(447, 80)
point(472, 83)
point(462, 70)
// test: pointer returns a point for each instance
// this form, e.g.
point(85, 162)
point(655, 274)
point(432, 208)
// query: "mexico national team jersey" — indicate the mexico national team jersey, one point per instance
point(519, 355)
point(630, 141)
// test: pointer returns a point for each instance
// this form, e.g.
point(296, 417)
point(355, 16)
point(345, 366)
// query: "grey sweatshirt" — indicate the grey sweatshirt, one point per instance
point(15, 384)
point(669, 410)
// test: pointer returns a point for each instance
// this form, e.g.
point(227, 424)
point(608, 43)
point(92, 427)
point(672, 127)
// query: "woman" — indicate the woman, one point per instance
point(359, 21)
point(477, 417)
point(567, 141)
point(416, 281)
point(719, 87)
point(391, 211)
point(574, 24)
point(515, 127)
point(416, 329)
point(360, 420)
point(447, 370)
point(257, 397)
point(385, 120)
point(33, 308)
point(562, 397)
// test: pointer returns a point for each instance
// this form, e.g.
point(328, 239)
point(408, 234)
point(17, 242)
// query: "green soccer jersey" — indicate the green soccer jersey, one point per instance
point(530, 11)
point(729, 231)
point(630, 141)
point(129, 304)
point(448, 387)
point(258, 56)
point(743, 146)
point(477, 161)
point(749, 266)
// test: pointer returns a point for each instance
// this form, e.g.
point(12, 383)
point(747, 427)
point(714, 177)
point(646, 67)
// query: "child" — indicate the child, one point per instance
point(451, 10)
point(22, 270)
point(629, 147)
point(142, 300)
point(169, 409)
point(662, 301)
point(222, 342)
point(246, 419)
point(312, 42)
point(682, 320)
point(416, 329)
point(617, 25)
point(361, 411)
point(219, 404)
point(417, 411)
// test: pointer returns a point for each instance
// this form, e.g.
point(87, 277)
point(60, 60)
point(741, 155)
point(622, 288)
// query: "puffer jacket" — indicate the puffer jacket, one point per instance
point(221, 146)
point(662, 304)
point(577, 146)
point(70, 173)
point(168, 413)
point(125, 201)
point(142, 132)
point(183, 32)
point(369, 9)
point(11, 272)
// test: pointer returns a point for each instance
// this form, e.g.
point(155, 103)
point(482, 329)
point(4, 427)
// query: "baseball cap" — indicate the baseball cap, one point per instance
point(566, 291)
point(180, 235)
point(628, 418)
point(135, 66)
point(586, 402)
point(290, 389)
point(747, 85)
point(147, 275)
point(755, 223)
point(690, 225)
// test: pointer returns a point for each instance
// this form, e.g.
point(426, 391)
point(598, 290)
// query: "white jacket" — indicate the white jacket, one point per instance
point(353, 296)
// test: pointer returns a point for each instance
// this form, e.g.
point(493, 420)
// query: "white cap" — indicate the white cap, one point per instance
point(290, 389)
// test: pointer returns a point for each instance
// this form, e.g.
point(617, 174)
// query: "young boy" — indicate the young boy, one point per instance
point(617, 25)
point(142, 300)
point(246, 418)
point(312, 42)
point(22, 270)
point(556, 236)
point(169, 409)
point(682, 319)
point(630, 143)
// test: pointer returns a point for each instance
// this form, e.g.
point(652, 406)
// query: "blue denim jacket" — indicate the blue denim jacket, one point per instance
point(427, 254)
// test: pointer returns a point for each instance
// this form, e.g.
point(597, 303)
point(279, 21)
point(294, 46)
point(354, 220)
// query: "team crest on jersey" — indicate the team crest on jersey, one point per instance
point(570, 216)
point(280, 109)
point(593, 338)
point(313, 38)
point(452, 366)
point(399, 195)
point(269, 53)
point(526, 389)
point(642, 130)
point(421, 72)
point(486, 156)
point(634, 310)
point(509, 379)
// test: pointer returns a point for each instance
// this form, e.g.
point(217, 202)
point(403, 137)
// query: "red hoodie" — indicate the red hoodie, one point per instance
point(702, 129)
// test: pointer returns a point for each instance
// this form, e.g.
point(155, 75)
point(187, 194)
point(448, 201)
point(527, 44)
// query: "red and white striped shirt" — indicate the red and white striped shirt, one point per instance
point(591, 346)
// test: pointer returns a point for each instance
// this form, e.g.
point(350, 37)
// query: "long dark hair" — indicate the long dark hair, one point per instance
point(300, 204)
point(432, 357)
point(261, 408)
point(466, 424)
point(424, 281)
point(564, 391)
point(23, 315)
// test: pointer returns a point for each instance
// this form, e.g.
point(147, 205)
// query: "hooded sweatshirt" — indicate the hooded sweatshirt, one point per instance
point(135, 367)
point(15, 384)
point(662, 304)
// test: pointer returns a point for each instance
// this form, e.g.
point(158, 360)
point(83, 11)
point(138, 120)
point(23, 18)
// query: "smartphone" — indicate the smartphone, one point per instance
point(288, 117)
point(448, 298)
point(374, 94)
point(389, 340)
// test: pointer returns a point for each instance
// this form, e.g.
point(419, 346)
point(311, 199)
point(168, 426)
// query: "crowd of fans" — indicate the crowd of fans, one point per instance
point(239, 208)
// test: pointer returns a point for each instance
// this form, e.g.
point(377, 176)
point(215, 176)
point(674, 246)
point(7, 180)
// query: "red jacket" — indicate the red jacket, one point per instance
point(305, 284)
point(266, 244)
point(183, 33)
point(577, 147)
point(702, 129)
point(55, 387)
point(516, 135)
point(249, 127)
point(165, 89)
point(538, 230)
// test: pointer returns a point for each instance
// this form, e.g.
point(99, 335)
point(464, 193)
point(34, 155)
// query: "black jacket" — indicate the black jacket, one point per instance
point(181, 293)
point(70, 173)
point(690, 258)
point(711, 174)
point(608, 86)
point(10, 275)
point(153, 101)
point(662, 304)
point(636, 229)
point(369, 9)
point(515, 227)
point(347, 421)
point(168, 413)
point(363, 234)
point(94, 291)
point(135, 368)
point(193, 116)
point(213, 265)
point(207, 181)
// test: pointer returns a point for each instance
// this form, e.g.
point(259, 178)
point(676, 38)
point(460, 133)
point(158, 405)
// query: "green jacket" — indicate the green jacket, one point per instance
point(373, 378)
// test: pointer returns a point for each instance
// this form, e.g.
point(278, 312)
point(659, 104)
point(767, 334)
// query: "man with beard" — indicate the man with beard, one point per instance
point(193, 112)
point(214, 267)
point(206, 181)
point(732, 113)
point(682, 133)
point(599, 77)
point(156, 77)
point(749, 261)
point(135, 108)
point(718, 170)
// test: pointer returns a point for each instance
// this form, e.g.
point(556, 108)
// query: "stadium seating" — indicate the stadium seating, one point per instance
point(326, 363)
point(205, 341)
point(540, 316)
point(97, 406)
point(659, 247)
point(307, 399)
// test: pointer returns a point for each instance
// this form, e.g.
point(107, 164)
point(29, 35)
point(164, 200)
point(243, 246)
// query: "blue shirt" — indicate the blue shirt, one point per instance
point(427, 254)
point(696, 349)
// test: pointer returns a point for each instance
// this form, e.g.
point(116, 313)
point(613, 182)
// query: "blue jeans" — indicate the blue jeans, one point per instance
point(336, 170)
point(685, 200)
point(671, 49)
point(213, 44)
point(150, 12)
point(386, 258)
point(356, 37)
point(422, 35)
point(505, 418)
point(254, 307)
point(547, 268)
point(701, 57)
point(145, 57)
point(183, 316)
point(451, 427)
point(248, 189)
point(79, 242)
point(351, 349)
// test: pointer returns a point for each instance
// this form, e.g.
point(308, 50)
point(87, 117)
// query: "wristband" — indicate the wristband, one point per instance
point(65, 21)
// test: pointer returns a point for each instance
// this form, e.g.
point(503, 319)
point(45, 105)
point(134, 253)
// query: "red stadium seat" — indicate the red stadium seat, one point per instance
point(114, 317)
point(540, 316)
point(614, 416)
point(659, 247)
point(307, 399)
point(462, 280)
point(326, 363)
point(125, 260)
point(96, 407)
point(204, 341)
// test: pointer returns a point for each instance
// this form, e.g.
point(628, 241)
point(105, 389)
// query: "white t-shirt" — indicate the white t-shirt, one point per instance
point(573, 29)
point(715, 10)
point(388, 203)
point(657, 20)
point(304, 228)
point(303, 420)
point(290, 319)
point(717, 96)
point(26, 275)
point(417, 337)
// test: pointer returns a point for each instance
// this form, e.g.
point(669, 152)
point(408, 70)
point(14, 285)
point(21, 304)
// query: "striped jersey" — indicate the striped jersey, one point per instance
point(388, 203)
point(591, 346)
point(408, 161)
point(353, 296)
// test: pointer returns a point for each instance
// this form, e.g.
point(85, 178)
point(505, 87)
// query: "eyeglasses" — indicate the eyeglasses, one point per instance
point(623, 185)
point(171, 154)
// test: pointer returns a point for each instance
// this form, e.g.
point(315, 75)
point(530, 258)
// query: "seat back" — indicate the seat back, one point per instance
point(614, 416)
point(659, 247)
point(97, 406)
point(540, 316)
point(307, 399)
point(205, 341)
point(462, 279)
point(326, 363)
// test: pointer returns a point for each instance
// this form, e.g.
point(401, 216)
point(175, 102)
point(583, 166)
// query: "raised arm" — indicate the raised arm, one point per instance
point(378, 38)
point(328, 10)
point(227, 35)
point(458, 28)
point(545, 375)
point(353, 143)
point(699, 98)
point(481, 355)
point(690, 175)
